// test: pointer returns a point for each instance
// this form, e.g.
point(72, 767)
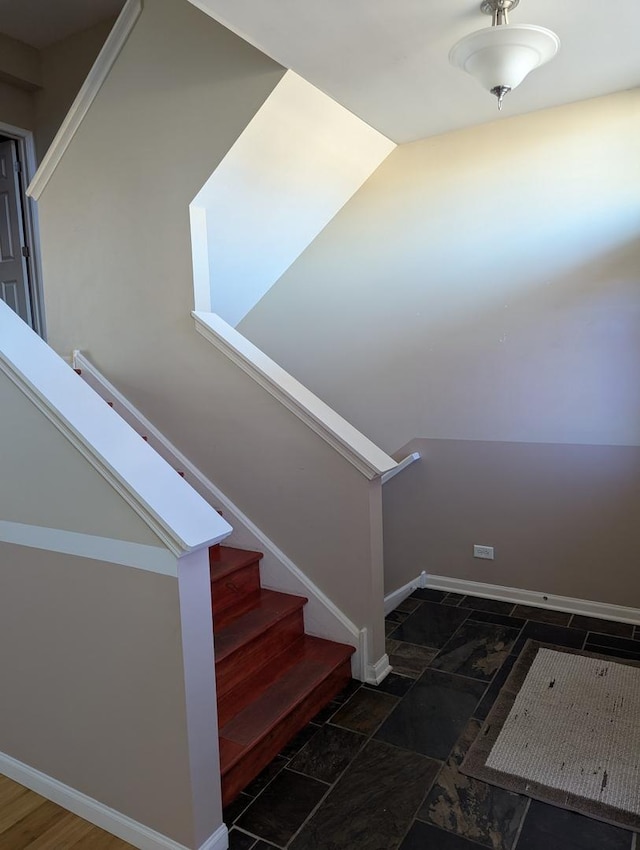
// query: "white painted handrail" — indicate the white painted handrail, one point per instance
point(403, 464)
point(85, 97)
point(370, 460)
point(170, 507)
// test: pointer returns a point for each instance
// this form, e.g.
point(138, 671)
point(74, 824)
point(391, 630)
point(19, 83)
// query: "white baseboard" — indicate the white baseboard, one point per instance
point(394, 599)
point(534, 598)
point(371, 672)
point(378, 671)
point(97, 813)
point(218, 841)
point(277, 571)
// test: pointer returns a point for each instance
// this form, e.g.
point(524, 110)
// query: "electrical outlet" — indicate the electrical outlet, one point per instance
point(485, 552)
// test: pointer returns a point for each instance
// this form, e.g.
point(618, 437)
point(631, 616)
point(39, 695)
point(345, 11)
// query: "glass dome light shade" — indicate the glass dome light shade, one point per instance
point(504, 55)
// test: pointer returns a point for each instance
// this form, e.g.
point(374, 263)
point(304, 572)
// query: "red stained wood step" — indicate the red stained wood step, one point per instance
point(226, 559)
point(235, 582)
point(246, 644)
point(243, 692)
point(257, 733)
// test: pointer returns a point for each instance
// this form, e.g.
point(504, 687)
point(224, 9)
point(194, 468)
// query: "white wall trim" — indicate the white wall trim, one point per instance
point(537, 599)
point(80, 804)
point(392, 601)
point(367, 458)
point(218, 841)
point(403, 464)
point(182, 520)
point(379, 671)
point(373, 672)
point(586, 607)
point(87, 94)
point(278, 572)
point(141, 556)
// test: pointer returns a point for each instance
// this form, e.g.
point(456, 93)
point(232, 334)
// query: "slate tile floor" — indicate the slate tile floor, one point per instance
point(378, 769)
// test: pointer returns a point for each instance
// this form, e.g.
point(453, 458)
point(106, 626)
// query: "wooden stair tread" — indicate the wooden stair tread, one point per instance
point(270, 608)
point(230, 752)
point(224, 560)
point(318, 659)
point(231, 612)
point(244, 692)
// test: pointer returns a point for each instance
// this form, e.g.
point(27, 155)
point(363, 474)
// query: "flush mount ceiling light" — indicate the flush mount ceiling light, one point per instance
point(501, 56)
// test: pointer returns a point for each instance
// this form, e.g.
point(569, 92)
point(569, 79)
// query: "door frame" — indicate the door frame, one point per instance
point(27, 155)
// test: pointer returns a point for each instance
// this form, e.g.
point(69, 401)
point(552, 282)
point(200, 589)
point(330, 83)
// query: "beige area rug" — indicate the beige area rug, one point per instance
point(565, 729)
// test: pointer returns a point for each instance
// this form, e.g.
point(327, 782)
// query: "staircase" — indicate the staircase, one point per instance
point(271, 677)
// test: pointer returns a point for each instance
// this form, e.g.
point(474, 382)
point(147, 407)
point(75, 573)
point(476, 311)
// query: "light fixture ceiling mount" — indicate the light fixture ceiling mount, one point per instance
point(499, 9)
point(501, 56)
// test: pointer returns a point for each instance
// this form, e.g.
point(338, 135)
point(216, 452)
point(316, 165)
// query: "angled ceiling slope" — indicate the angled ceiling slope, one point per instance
point(44, 22)
point(387, 61)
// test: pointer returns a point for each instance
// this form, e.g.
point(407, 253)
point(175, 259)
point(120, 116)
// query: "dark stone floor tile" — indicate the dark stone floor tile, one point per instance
point(348, 691)
point(605, 627)
point(492, 606)
point(424, 594)
point(430, 625)
point(284, 805)
point(491, 694)
point(550, 828)
point(545, 633)
point(326, 713)
point(614, 642)
point(365, 711)
point(266, 776)
point(470, 808)
point(372, 804)
point(263, 845)
point(614, 652)
point(477, 650)
point(389, 627)
point(409, 605)
point(636, 634)
point(296, 744)
point(421, 836)
point(498, 619)
point(409, 659)
point(453, 598)
point(328, 753)
point(397, 616)
point(542, 615)
point(240, 840)
point(395, 684)
point(233, 811)
point(431, 717)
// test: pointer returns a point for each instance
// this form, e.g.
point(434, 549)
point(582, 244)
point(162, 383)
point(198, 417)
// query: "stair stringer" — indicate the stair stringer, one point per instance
point(322, 618)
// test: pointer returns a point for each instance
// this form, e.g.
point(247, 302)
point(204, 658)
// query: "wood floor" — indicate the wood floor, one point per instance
point(31, 822)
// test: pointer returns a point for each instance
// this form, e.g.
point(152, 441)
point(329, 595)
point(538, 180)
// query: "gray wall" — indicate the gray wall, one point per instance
point(37, 87)
point(118, 284)
point(20, 75)
point(93, 683)
point(563, 518)
point(46, 481)
point(16, 106)
point(65, 66)
point(483, 286)
point(105, 668)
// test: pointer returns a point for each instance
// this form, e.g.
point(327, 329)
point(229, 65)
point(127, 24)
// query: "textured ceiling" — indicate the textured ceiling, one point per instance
point(387, 60)
point(43, 22)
